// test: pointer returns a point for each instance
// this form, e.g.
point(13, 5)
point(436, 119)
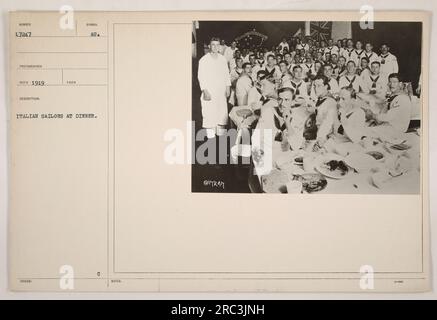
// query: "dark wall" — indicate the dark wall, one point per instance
point(229, 30)
point(404, 40)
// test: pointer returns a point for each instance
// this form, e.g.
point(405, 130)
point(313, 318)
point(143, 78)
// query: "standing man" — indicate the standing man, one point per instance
point(389, 62)
point(215, 83)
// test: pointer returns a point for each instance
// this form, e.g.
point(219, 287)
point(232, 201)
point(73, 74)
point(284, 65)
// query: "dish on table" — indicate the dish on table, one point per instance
point(312, 182)
point(298, 160)
point(244, 113)
point(275, 181)
point(289, 158)
point(333, 167)
point(399, 146)
point(378, 156)
point(381, 179)
point(363, 162)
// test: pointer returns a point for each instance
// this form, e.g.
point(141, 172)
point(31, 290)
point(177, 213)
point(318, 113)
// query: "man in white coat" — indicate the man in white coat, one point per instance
point(215, 82)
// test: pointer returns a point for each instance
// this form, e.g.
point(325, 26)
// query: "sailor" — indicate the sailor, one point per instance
point(349, 50)
point(358, 53)
point(389, 62)
point(375, 83)
point(369, 54)
point(350, 78)
point(243, 85)
point(326, 110)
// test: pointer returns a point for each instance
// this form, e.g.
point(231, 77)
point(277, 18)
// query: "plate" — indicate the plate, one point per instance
point(244, 112)
point(377, 155)
point(333, 167)
point(298, 160)
point(313, 182)
point(275, 181)
point(399, 146)
point(362, 162)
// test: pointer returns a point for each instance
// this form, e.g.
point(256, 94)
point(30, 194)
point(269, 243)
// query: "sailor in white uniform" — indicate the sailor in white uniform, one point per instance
point(297, 84)
point(332, 48)
point(395, 118)
point(333, 87)
point(326, 110)
point(349, 51)
point(369, 54)
point(358, 53)
point(243, 85)
point(272, 69)
point(350, 78)
point(375, 83)
point(389, 62)
point(282, 45)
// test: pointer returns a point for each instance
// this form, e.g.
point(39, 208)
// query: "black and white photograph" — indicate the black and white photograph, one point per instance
point(297, 107)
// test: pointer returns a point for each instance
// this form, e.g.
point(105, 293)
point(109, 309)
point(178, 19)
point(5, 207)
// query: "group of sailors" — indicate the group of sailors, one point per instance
point(307, 91)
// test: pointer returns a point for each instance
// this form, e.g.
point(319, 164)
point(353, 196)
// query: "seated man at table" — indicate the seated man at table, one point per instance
point(394, 118)
point(325, 109)
point(290, 122)
point(271, 113)
point(255, 96)
point(300, 122)
point(351, 118)
point(243, 85)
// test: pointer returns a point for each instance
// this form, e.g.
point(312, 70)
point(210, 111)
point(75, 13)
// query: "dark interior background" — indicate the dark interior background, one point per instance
point(404, 38)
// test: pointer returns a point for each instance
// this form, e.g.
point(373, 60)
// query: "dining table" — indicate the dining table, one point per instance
point(393, 171)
